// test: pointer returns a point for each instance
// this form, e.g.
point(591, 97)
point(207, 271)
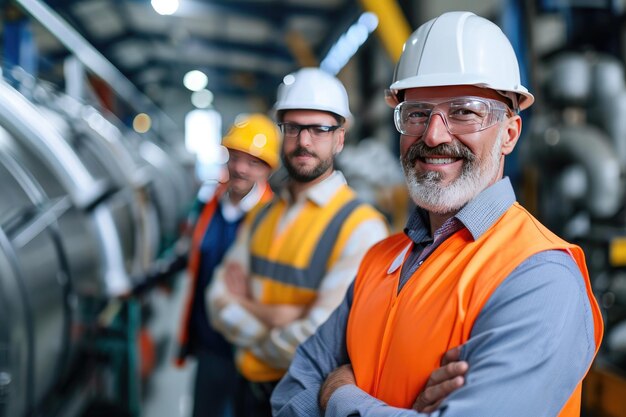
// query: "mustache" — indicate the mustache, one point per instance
point(300, 151)
point(419, 150)
point(236, 176)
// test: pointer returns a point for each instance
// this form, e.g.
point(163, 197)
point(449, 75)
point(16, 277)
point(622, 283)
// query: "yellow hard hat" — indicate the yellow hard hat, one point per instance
point(257, 135)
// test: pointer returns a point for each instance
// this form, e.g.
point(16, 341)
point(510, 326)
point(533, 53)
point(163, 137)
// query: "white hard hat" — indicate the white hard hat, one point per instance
point(313, 89)
point(460, 48)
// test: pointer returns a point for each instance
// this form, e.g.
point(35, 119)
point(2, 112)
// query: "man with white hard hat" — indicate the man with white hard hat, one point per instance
point(295, 258)
point(473, 273)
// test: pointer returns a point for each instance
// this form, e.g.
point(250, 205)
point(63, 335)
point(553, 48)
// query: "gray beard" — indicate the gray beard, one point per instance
point(428, 193)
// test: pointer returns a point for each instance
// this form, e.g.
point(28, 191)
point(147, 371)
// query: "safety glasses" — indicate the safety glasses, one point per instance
point(460, 115)
point(319, 132)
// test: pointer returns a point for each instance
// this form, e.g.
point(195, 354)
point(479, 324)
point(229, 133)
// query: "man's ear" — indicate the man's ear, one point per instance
point(341, 133)
point(511, 132)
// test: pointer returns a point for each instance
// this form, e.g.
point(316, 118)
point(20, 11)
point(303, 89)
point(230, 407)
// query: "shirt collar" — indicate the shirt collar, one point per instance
point(232, 211)
point(477, 216)
point(320, 193)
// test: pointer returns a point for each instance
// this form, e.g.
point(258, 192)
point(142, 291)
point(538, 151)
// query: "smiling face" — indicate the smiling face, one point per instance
point(244, 170)
point(445, 171)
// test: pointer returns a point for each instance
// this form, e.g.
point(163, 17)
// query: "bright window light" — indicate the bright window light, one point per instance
point(203, 129)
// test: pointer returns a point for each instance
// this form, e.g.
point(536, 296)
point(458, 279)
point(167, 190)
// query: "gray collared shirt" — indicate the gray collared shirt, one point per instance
point(530, 346)
point(477, 216)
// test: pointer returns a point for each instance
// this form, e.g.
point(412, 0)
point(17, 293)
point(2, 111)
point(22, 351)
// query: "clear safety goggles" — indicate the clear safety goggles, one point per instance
point(460, 115)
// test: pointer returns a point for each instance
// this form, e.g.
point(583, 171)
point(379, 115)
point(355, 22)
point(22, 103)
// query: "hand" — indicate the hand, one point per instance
point(341, 376)
point(442, 382)
point(282, 314)
point(236, 280)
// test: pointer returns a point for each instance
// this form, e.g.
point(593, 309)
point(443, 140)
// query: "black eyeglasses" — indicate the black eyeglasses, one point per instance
point(292, 130)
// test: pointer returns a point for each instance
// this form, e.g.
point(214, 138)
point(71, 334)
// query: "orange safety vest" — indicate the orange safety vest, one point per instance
point(202, 224)
point(447, 293)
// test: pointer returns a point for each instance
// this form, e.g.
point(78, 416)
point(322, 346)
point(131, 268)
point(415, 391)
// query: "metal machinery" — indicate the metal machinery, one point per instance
point(576, 156)
point(85, 211)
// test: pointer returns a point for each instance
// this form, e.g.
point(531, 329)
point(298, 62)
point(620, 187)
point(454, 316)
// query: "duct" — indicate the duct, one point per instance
point(15, 336)
point(41, 186)
point(172, 188)
point(35, 338)
point(92, 58)
point(570, 80)
point(19, 115)
point(607, 78)
point(77, 212)
point(610, 114)
point(123, 220)
point(588, 147)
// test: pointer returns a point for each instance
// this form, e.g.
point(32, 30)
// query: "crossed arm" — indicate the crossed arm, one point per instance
point(442, 382)
point(529, 348)
point(273, 332)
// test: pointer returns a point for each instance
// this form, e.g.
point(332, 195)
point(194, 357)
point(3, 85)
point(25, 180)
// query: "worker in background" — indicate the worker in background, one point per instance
point(293, 261)
point(473, 269)
point(252, 143)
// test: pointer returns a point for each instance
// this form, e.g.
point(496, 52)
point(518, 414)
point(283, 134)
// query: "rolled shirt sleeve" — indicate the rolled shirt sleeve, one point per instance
point(278, 346)
point(237, 324)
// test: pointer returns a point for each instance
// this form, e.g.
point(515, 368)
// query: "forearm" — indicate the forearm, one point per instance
point(272, 315)
point(226, 314)
point(279, 346)
point(297, 393)
point(350, 400)
point(236, 324)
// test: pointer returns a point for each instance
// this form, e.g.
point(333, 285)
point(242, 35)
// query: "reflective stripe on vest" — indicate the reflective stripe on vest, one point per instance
point(310, 276)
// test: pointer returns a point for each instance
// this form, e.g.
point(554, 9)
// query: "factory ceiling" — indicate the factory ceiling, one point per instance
point(245, 47)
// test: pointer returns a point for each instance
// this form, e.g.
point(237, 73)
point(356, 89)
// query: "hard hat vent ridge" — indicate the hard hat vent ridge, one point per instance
point(459, 48)
point(313, 89)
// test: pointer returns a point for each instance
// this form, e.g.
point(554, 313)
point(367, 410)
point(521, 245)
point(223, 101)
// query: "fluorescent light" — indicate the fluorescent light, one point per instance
point(348, 43)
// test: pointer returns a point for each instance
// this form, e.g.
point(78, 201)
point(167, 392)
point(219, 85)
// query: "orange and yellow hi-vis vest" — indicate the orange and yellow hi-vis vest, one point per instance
point(446, 293)
point(290, 266)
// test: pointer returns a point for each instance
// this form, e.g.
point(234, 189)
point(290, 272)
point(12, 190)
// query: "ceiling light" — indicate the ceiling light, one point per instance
point(195, 80)
point(202, 99)
point(142, 123)
point(165, 7)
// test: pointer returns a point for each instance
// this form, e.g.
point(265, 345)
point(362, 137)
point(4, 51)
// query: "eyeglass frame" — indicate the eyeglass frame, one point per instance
point(331, 129)
point(494, 107)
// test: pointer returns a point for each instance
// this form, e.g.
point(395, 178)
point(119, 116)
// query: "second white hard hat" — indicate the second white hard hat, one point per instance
point(313, 89)
point(459, 48)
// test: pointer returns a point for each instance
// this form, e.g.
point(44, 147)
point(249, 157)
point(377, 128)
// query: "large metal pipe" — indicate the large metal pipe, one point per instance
point(588, 147)
point(78, 198)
